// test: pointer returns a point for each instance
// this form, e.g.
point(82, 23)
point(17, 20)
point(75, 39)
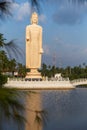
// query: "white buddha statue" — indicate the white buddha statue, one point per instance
point(33, 45)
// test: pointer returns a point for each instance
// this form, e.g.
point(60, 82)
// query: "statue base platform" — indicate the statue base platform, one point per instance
point(33, 74)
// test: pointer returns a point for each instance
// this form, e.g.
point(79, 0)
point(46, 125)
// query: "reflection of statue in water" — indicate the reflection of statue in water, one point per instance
point(33, 47)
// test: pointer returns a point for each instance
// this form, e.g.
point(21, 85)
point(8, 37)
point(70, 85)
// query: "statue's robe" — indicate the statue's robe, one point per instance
point(33, 46)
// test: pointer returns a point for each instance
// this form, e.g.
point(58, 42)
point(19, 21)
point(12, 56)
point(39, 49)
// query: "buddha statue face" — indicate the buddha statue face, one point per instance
point(34, 18)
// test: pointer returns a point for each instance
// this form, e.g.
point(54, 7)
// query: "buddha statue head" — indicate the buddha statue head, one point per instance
point(34, 18)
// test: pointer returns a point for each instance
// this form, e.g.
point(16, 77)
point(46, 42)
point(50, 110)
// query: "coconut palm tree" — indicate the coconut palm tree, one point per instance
point(3, 61)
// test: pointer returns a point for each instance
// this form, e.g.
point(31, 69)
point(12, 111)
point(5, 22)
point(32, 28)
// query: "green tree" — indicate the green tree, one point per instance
point(21, 70)
point(44, 70)
point(1, 40)
point(3, 79)
point(12, 66)
point(3, 61)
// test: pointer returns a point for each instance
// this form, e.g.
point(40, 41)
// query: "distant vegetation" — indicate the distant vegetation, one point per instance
point(71, 72)
point(9, 65)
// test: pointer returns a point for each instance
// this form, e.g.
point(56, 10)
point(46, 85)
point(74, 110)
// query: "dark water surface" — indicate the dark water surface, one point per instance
point(67, 110)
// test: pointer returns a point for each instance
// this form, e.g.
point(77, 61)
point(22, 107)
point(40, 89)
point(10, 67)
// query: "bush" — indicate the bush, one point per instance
point(3, 80)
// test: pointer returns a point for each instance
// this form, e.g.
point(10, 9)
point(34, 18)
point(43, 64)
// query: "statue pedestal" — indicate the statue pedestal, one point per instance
point(33, 74)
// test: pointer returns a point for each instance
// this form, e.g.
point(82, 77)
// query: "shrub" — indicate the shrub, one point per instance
point(3, 80)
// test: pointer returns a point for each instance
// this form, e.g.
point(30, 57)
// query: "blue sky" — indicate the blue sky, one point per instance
point(64, 30)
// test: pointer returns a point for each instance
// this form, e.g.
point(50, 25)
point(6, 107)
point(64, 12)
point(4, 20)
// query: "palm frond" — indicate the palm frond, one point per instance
point(44, 115)
point(19, 120)
point(36, 5)
point(5, 7)
point(2, 39)
point(13, 50)
point(41, 117)
point(10, 106)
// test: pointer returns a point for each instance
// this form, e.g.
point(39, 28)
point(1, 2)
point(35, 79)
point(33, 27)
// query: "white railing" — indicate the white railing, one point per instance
point(49, 79)
point(79, 80)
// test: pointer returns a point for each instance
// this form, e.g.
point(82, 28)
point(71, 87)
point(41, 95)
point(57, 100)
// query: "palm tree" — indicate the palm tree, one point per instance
point(21, 70)
point(1, 40)
point(12, 66)
point(3, 61)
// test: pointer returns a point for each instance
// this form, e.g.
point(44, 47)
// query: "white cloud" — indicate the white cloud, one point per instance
point(42, 18)
point(15, 6)
point(21, 11)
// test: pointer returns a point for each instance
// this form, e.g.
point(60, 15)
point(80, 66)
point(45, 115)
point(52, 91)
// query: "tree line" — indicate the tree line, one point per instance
point(11, 66)
point(75, 72)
